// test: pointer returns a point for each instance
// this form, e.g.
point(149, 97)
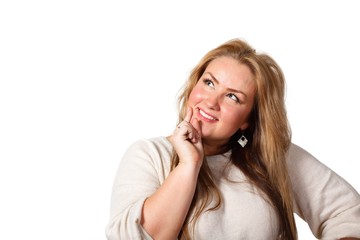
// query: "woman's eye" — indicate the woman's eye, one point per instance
point(233, 97)
point(209, 82)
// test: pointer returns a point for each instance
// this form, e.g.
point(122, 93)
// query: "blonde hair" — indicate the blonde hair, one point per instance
point(269, 135)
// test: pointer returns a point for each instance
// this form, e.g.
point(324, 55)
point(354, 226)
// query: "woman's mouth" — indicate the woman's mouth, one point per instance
point(207, 116)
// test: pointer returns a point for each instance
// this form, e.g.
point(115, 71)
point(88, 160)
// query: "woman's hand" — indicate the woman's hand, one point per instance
point(186, 140)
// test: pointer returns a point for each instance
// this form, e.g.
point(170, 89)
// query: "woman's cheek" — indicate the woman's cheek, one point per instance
point(233, 115)
point(195, 96)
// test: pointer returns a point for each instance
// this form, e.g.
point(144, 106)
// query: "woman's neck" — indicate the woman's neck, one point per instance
point(215, 148)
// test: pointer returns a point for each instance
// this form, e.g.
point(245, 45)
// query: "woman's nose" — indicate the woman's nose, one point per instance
point(212, 102)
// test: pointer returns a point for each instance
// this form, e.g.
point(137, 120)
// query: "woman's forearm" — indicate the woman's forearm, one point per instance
point(165, 211)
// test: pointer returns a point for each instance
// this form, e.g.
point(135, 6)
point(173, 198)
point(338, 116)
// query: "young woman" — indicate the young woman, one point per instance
point(229, 169)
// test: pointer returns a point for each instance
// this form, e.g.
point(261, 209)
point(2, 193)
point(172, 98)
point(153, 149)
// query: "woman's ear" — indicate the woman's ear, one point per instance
point(244, 126)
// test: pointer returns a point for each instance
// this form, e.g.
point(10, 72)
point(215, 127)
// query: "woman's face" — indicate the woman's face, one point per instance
point(222, 99)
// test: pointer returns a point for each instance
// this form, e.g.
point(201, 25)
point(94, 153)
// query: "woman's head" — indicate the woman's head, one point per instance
point(235, 64)
point(222, 101)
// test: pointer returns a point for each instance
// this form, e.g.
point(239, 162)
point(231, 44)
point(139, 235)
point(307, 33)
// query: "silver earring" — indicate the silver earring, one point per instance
point(242, 141)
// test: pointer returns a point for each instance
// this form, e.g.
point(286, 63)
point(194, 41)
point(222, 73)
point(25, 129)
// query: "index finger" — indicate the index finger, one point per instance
point(188, 115)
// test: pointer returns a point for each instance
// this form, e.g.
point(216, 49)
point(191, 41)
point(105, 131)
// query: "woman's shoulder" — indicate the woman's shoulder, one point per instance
point(301, 162)
point(305, 168)
point(153, 149)
point(295, 149)
point(151, 154)
point(297, 154)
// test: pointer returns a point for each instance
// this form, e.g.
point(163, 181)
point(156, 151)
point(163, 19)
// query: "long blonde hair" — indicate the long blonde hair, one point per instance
point(269, 135)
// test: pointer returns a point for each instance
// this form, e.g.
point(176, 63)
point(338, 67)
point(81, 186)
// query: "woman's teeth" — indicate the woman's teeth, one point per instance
point(202, 113)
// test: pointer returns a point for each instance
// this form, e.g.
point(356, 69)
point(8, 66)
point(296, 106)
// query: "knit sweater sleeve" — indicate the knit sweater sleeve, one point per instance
point(141, 171)
point(329, 204)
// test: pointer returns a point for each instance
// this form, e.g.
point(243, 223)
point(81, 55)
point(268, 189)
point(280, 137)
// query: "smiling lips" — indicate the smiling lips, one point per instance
point(207, 116)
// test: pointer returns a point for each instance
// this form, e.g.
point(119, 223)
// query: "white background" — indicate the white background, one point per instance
point(81, 80)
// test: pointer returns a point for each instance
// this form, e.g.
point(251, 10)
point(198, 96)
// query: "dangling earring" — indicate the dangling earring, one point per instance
point(242, 140)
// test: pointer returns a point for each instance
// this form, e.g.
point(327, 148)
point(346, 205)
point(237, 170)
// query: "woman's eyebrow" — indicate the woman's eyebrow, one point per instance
point(229, 89)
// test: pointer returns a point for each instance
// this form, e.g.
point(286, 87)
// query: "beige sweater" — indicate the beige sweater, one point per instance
point(323, 199)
